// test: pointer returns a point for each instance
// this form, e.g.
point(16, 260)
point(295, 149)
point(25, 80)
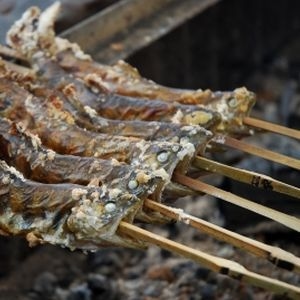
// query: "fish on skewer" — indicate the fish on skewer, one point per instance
point(232, 107)
point(86, 117)
point(77, 232)
point(41, 45)
point(49, 108)
point(72, 59)
point(70, 215)
point(88, 218)
point(163, 131)
point(122, 79)
point(24, 151)
point(114, 106)
point(125, 80)
point(57, 130)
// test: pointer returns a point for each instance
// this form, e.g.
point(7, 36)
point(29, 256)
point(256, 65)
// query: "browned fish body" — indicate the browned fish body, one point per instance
point(232, 107)
point(70, 215)
point(87, 118)
point(58, 131)
point(24, 151)
point(113, 106)
point(39, 47)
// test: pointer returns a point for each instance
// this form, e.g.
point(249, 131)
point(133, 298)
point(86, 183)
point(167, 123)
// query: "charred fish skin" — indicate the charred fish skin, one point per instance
point(33, 36)
point(56, 127)
point(123, 79)
point(116, 107)
point(149, 131)
point(58, 131)
point(60, 80)
point(25, 152)
point(223, 112)
point(88, 118)
point(42, 41)
point(69, 215)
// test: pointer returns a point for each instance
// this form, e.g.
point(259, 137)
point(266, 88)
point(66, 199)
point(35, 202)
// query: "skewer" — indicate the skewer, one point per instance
point(293, 133)
point(247, 120)
point(19, 69)
point(5, 51)
point(264, 153)
point(255, 179)
point(284, 219)
point(217, 264)
point(276, 255)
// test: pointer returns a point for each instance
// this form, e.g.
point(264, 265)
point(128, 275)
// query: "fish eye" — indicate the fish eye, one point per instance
point(133, 184)
point(232, 102)
point(110, 207)
point(163, 156)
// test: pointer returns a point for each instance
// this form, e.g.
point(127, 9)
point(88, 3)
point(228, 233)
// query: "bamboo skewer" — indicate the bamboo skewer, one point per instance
point(284, 219)
point(217, 264)
point(261, 152)
point(293, 133)
point(276, 255)
point(18, 68)
point(255, 179)
point(9, 52)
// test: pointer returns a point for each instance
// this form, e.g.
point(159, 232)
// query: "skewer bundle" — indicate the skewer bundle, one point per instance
point(88, 149)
